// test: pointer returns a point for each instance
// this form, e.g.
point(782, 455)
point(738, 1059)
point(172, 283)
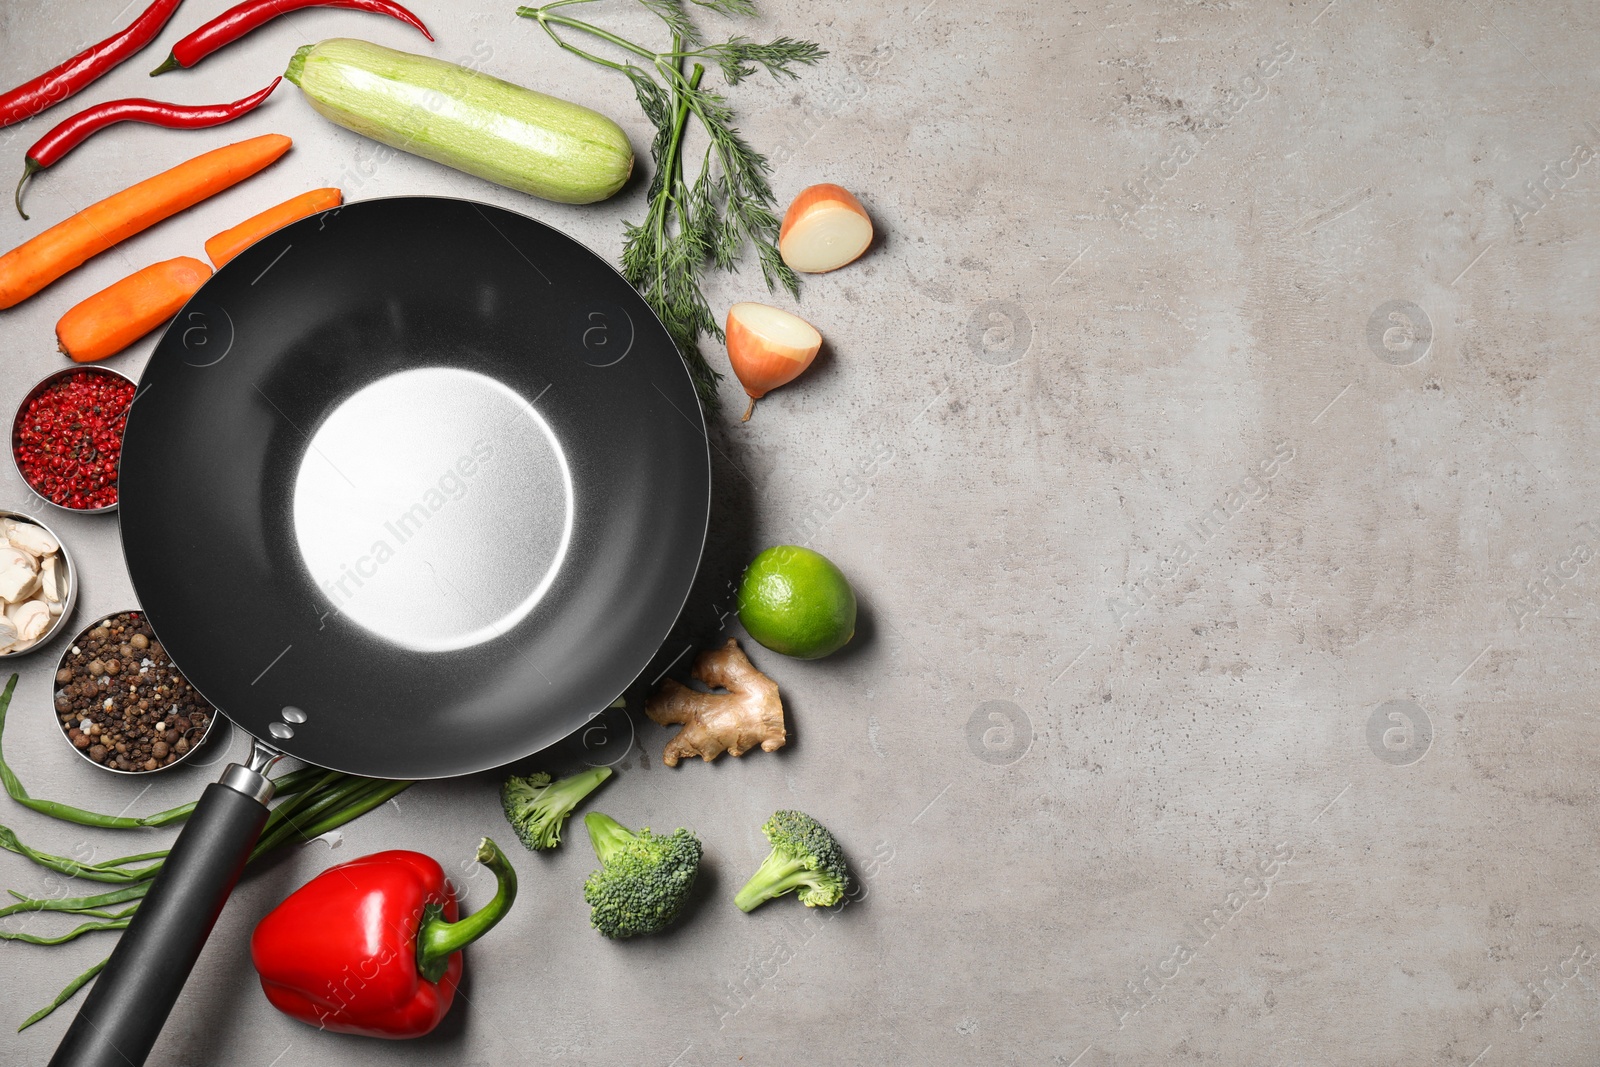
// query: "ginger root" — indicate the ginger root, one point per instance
point(748, 714)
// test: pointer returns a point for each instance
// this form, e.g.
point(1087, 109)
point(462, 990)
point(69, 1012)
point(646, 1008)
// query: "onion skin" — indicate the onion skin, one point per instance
point(813, 198)
point(763, 363)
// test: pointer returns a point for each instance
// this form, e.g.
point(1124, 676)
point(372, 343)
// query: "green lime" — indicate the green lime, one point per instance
point(794, 601)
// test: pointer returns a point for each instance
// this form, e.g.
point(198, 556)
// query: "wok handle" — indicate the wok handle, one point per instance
point(123, 1014)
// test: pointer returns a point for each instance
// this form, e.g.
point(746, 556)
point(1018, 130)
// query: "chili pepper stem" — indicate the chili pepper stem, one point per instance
point(438, 940)
point(29, 169)
point(170, 63)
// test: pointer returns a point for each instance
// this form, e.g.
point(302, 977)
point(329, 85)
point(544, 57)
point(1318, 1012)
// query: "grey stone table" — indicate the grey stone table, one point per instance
point(1209, 439)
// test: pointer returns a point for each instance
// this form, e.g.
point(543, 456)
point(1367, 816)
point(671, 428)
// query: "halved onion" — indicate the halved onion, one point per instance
point(768, 347)
point(824, 229)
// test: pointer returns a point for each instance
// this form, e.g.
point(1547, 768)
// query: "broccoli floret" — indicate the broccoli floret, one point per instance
point(643, 880)
point(804, 856)
point(538, 809)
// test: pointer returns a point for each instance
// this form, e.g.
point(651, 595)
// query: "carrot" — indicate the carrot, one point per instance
point(120, 314)
point(39, 261)
point(229, 243)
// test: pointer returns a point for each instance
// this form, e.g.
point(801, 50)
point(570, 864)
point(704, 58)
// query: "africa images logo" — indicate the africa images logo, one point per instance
point(1399, 732)
point(1399, 333)
point(450, 486)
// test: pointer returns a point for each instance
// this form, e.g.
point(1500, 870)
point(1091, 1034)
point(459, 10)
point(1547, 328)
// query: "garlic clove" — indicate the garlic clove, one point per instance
point(49, 616)
point(17, 586)
point(53, 579)
point(31, 619)
point(33, 539)
point(18, 578)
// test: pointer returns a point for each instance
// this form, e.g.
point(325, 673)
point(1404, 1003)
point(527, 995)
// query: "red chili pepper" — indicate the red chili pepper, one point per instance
point(237, 21)
point(60, 82)
point(72, 132)
point(373, 946)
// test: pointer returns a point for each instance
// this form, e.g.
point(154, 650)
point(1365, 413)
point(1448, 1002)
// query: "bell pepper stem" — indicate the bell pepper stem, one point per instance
point(438, 940)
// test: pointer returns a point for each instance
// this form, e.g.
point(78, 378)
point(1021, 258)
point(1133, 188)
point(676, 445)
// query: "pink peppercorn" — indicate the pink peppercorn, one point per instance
point(68, 439)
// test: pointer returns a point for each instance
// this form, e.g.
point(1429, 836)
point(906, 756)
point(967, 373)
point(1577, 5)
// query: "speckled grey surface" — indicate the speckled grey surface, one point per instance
point(1223, 376)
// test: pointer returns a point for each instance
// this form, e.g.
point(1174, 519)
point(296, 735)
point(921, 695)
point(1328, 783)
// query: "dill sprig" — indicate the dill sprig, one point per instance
point(729, 203)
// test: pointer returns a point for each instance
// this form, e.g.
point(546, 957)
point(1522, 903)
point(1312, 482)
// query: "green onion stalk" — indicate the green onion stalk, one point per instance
point(310, 802)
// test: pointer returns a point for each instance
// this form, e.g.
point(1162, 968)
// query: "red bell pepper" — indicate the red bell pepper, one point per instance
point(373, 946)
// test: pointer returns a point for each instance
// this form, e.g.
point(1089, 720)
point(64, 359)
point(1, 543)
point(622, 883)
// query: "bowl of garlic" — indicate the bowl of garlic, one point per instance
point(38, 584)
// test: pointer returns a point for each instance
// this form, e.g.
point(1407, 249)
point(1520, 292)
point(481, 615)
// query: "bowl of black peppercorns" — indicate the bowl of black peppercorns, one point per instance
point(121, 703)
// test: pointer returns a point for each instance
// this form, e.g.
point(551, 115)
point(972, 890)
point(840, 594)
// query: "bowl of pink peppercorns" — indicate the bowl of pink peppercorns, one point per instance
point(66, 438)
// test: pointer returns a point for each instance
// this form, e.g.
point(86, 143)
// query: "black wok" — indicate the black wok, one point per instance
point(410, 489)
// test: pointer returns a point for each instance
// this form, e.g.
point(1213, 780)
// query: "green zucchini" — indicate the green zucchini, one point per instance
point(464, 119)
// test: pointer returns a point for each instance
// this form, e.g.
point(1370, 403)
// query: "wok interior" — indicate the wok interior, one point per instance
point(433, 508)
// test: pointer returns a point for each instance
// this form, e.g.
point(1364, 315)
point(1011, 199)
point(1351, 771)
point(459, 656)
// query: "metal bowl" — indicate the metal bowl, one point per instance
point(16, 429)
point(83, 753)
point(71, 600)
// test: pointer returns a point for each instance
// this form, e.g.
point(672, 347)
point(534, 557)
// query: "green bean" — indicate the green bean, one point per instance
point(316, 812)
point(70, 935)
point(125, 860)
point(289, 807)
point(313, 802)
point(360, 796)
point(102, 913)
point(65, 994)
point(285, 829)
point(315, 808)
point(72, 868)
point(385, 792)
point(353, 804)
point(285, 785)
point(75, 905)
point(66, 812)
point(295, 782)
